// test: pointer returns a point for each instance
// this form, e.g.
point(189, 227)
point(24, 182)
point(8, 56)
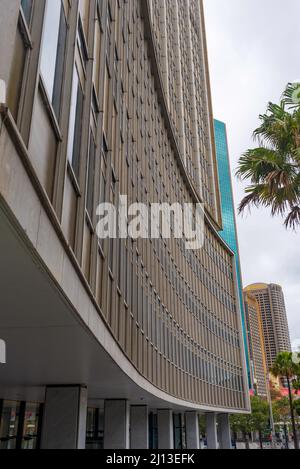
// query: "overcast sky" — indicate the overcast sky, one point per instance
point(254, 51)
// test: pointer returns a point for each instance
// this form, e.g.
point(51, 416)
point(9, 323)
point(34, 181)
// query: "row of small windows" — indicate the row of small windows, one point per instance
point(225, 267)
point(184, 291)
point(193, 304)
point(207, 279)
point(167, 336)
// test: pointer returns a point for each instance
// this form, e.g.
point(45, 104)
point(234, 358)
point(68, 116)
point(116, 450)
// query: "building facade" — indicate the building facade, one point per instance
point(257, 354)
point(103, 99)
point(274, 319)
point(229, 228)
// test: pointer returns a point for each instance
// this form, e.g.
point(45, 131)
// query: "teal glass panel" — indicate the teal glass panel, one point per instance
point(229, 233)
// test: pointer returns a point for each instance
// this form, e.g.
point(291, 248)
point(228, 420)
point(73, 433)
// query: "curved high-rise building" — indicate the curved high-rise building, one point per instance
point(117, 342)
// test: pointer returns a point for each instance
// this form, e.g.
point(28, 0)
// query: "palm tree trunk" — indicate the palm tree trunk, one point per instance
point(261, 440)
point(293, 414)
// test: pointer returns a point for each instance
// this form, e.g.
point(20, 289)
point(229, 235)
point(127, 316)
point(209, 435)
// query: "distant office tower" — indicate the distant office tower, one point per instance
point(258, 365)
point(108, 98)
point(229, 232)
point(274, 319)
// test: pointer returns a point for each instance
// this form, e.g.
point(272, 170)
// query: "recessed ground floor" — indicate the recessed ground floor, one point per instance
point(67, 421)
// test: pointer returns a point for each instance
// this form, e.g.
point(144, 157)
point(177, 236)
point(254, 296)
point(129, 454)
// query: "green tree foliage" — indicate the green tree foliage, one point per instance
point(286, 367)
point(273, 167)
point(297, 407)
point(281, 410)
point(257, 421)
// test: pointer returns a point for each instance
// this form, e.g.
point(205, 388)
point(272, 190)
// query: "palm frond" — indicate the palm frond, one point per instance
point(257, 163)
point(276, 129)
point(293, 218)
point(248, 200)
point(273, 168)
point(291, 95)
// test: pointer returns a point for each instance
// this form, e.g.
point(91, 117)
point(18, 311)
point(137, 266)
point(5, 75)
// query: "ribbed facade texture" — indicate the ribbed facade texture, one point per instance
point(257, 354)
point(274, 319)
point(179, 33)
point(109, 98)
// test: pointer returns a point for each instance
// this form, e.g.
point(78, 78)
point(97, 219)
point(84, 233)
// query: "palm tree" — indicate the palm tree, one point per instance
point(273, 168)
point(284, 367)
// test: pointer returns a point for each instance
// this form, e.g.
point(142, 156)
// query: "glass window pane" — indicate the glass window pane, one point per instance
point(9, 425)
point(53, 51)
point(84, 8)
point(31, 422)
point(16, 74)
point(74, 138)
point(91, 177)
point(50, 43)
point(153, 431)
point(97, 52)
point(27, 7)
point(60, 60)
point(94, 430)
point(72, 115)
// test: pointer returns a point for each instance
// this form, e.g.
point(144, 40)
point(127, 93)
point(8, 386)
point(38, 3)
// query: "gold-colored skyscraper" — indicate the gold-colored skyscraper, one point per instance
point(258, 365)
point(274, 319)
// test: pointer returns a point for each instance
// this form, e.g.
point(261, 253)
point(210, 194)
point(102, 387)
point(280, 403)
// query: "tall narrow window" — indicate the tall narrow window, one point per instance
point(20, 51)
point(97, 52)
point(91, 177)
point(27, 8)
point(9, 425)
point(74, 139)
point(17, 72)
point(103, 182)
point(53, 51)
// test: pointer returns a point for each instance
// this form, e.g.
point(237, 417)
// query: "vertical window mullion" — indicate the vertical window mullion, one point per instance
point(21, 421)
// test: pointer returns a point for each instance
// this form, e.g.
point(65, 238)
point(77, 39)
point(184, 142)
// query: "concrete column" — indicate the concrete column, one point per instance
point(139, 427)
point(8, 26)
point(192, 430)
point(165, 429)
point(211, 431)
point(64, 421)
point(116, 424)
point(225, 433)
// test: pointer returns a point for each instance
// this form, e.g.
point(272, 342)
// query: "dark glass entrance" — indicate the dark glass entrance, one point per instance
point(20, 425)
point(153, 431)
point(94, 429)
point(179, 431)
